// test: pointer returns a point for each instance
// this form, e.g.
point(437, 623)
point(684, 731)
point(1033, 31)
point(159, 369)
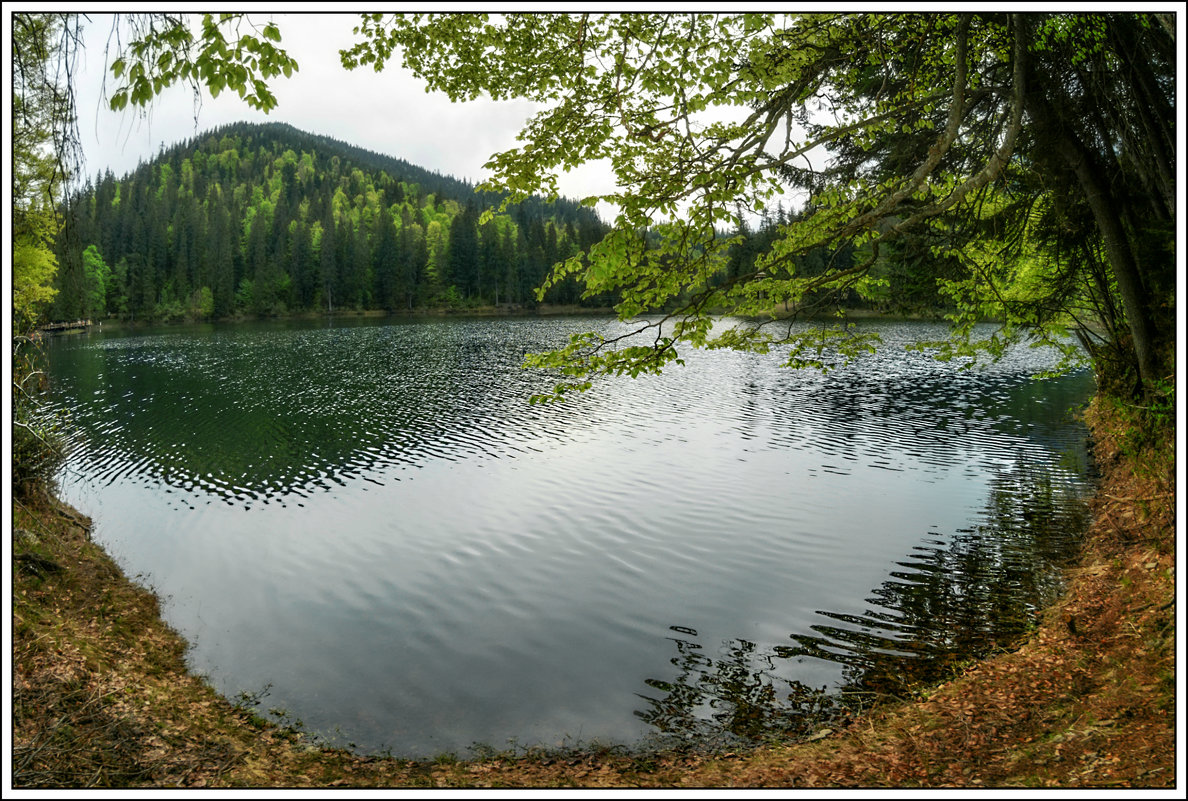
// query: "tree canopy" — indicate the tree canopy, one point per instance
point(44, 148)
point(1022, 165)
point(1033, 152)
point(265, 219)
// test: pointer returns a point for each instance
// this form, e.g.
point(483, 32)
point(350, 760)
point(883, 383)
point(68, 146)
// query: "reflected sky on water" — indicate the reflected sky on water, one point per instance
point(370, 520)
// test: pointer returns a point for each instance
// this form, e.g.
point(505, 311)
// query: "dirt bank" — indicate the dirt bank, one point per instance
point(102, 698)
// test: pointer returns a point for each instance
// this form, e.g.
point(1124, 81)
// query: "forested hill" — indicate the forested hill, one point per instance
point(266, 219)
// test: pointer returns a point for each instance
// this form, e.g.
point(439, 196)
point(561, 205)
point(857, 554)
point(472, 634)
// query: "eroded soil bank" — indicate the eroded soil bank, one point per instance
point(102, 697)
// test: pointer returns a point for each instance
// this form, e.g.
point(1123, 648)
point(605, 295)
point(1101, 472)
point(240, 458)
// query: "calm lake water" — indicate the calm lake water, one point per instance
point(365, 524)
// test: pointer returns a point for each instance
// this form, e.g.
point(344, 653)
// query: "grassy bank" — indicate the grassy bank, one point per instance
point(102, 697)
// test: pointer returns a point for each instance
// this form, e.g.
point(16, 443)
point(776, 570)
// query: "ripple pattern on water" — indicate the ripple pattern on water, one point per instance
point(256, 418)
point(373, 520)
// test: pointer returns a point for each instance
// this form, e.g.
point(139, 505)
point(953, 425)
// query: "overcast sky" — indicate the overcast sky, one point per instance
point(388, 112)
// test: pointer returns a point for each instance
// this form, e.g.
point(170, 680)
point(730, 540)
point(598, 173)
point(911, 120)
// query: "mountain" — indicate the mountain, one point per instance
point(267, 219)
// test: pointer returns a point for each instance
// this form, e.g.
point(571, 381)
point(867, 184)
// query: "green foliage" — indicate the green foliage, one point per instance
point(41, 118)
point(163, 51)
point(245, 295)
point(170, 307)
point(704, 119)
point(33, 270)
point(1017, 148)
point(304, 223)
point(202, 304)
point(1161, 408)
point(98, 278)
point(42, 49)
point(38, 441)
point(1150, 426)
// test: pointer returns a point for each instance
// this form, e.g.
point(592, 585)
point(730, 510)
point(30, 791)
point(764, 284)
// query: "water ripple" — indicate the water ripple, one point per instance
point(373, 519)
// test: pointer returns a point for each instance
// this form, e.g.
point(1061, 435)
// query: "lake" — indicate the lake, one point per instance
point(363, 526)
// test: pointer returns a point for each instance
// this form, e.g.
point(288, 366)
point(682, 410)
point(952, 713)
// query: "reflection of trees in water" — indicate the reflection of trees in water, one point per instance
point(254, 413)
point(948, 603)
point(736, 694)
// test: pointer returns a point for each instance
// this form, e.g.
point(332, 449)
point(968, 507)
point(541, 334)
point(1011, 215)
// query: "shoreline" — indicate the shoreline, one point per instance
point(102, 695)
point(503, 310)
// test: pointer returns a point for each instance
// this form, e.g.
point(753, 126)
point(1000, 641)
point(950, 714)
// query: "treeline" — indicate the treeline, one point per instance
point(267, 220)
point(908, 264)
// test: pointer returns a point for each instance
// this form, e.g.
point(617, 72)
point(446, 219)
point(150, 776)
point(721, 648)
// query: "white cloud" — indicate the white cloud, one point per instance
point(387, 112)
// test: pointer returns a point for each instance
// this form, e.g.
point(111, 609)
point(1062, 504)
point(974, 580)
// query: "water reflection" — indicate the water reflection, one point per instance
point(734, 696)
point(253, 417)
point(372, 520)
point(952, 600)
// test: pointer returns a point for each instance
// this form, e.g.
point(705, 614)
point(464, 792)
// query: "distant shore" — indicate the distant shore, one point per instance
point(500, 310)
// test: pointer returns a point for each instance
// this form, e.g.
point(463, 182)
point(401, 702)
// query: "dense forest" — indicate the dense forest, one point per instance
point(255, 219)
point(267, 220)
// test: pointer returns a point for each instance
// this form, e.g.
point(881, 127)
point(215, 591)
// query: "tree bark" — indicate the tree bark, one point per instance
point(1119, 253)
point(1093, 179)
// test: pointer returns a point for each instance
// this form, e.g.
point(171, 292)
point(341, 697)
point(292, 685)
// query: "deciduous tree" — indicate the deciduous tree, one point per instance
point(990, 133)
point(44, 151)
point(1034, 153)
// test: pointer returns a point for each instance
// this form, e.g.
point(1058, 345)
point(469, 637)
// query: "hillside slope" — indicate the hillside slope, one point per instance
point(266, 220)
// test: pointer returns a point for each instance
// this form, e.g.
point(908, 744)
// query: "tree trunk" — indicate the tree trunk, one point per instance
point(1093, 181)
point(1120, 255)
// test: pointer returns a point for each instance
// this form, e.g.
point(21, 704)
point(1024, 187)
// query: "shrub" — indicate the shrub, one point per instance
point(38, 443)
